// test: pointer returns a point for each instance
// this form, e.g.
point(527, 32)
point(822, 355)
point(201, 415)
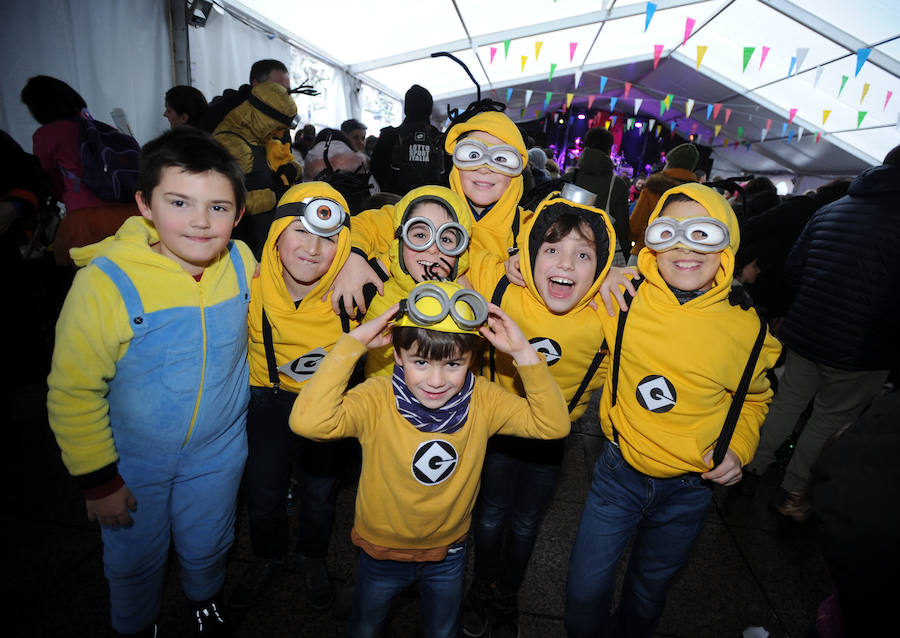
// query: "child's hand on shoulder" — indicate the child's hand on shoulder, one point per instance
point(513, 272)
point(347, 288)
point(728, 471)
point(503, 333)
point(375, 334)
point(112, 511)
point(611, 289)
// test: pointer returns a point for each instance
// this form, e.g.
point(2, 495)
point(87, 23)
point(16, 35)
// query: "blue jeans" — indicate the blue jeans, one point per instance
point(440, 589)
point(272, 448)
point(516, 489)
point(668, 515)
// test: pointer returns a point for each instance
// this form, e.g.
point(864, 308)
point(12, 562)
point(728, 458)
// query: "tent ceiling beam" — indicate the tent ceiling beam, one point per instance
point(616, 13)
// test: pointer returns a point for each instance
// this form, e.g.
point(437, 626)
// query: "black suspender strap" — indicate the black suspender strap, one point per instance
point(270, 352)
point(737, 401)
point(591, 371)
point(496, 298)
point(620, 330)
point(515, 232)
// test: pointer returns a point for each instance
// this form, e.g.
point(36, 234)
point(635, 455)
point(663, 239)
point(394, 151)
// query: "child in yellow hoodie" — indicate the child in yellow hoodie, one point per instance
point(683, 401)
point(291, 329)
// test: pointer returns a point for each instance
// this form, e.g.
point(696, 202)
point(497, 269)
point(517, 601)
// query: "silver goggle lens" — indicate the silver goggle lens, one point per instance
point(471, 154)
point(323, 217)
point(700, 234)
point(447, 306)
point(419, 233)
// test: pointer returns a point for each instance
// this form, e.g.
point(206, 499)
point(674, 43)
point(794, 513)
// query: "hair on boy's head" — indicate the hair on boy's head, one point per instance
point(599, 138)
point(433, 344)
point(49, 99)
point(565, 224)
point(187, 99)
point(676, 197)
point(194, 151)
point(893, 157)
point(261, 70)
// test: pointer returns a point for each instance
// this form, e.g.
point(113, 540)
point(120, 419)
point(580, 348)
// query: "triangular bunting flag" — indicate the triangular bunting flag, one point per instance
point(612, 104)
point(765, 54)
point(860, 116)
point(652, 124)
point(629, 123)
point(801, 56)
point(818, 136)
point(672, 126)
point(577, 78)
point(709, 108)
point(657, 53)
point(506, 48)
point(613, 119)
point(768, 125)
point(627, 90)
point(651, 9)
point(762, 134)
point(569, 97)
point(864, 91)
point(493, 53)
point(790, 136)
point(509, 94)
point(688, 107)
point(537, 49)
point(793, 63)
point(606, 124)
point(740, 132)
point(572, 47)
point(748, 53)
point(727, 115)
point(887, 99)
point(725, 143)
point(861, 56)
point(701, 51)
point(524, 60)
point(791, 117)
point(844, 79)
point(800, 132)
point(528, 96)
point(591, 101)
point(825, 114)
point(688, 27)
point(637, 104)
point(537, 112)
point(552, 71)
point(784, 129)
point(718, 128)
point(522, 113)
point(603, 79)
point(658, 129)
point(716, 109)
point(547, 97)
point(819, 70)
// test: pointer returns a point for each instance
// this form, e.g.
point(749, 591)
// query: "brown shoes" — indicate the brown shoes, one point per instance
point(794, 505)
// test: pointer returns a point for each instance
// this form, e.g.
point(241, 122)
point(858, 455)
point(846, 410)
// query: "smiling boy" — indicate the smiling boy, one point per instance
point(148, 389)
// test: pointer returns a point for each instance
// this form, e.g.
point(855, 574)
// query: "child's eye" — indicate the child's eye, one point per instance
point(219, 208)
point(587, 256)
point(699, 234)
point(178, 203)
point(550, 250)
point(420, 363)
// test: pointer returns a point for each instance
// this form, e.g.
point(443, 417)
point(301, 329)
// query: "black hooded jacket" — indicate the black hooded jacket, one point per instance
point(846, 269)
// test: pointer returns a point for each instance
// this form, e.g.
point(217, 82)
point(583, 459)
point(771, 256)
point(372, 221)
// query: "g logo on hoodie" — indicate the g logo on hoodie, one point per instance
point(434, 462)
point(547, 347)
point(656, 393)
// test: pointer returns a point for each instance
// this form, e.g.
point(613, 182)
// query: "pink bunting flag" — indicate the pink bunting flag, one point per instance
point(887, 99)
point(628, 90)
point(765, 52)
point(688, 27)
point(791, 118)
point(716, 109)
point(657, 53)
point(818, 136)
point(493, 53)
point(572, 47)
point(591, 101)
point(768, 125)
point(727, 115)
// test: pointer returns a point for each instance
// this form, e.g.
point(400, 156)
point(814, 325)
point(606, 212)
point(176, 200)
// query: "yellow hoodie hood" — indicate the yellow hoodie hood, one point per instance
point(253, 123)
point(718, 208)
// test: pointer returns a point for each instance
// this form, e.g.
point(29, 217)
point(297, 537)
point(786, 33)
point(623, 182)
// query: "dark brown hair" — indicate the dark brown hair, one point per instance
point(433, 344)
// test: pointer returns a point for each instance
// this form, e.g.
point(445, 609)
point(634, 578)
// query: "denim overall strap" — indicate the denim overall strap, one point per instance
point(130, 296)
point(238, 262)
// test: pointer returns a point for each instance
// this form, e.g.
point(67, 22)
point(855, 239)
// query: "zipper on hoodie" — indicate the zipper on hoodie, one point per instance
point(187, 437)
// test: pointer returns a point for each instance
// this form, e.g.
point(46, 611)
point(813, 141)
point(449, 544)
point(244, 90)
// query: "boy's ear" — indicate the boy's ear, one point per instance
point(237, 218)
point(397, 358)
point(142, 205)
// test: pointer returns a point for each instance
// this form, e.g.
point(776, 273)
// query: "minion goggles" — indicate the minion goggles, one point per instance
point(471, 154)
point(431, 306)
point(700, 234)
point(453, 233)
point(319, 216)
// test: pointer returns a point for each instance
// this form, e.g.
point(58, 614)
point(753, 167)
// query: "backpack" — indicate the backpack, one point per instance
point(417, 158)
point(109, 161)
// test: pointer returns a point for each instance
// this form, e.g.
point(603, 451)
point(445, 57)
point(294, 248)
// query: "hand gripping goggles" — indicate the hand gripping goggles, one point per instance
point(319, 216)
point(471, 153)
point(445, 307)
point(419, 233)
point(700, 234)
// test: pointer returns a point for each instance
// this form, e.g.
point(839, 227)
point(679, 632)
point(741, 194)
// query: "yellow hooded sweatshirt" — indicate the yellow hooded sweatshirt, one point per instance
point(681, 364)
point(380, 362)
point(568, 341)
point(301, 335)
point(493, 229)
point(244, 131)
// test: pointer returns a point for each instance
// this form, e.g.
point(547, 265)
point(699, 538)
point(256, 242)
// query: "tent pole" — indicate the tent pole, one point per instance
point(181, 48)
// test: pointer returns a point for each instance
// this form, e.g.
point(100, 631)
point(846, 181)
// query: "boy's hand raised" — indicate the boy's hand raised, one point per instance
point(375, 333)
point(610, 288)
point(347, 288)
point(112, 511)
point(507, 337)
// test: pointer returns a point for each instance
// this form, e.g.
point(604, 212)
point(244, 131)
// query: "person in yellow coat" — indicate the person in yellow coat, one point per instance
point(290, 330)
point(685, 395)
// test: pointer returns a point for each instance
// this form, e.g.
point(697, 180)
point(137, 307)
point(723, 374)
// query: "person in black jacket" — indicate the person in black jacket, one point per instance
point(841, 331)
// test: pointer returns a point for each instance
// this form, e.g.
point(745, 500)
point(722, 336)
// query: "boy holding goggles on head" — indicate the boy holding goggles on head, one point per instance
point(685, 395)
point(423, 434)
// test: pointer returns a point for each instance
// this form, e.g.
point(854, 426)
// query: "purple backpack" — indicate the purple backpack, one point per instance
point(109, 160)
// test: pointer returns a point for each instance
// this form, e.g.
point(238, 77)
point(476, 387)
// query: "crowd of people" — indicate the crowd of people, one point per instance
point(263, 292)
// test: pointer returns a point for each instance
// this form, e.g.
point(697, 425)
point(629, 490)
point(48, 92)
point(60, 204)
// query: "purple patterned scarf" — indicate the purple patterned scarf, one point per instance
point(446, 419)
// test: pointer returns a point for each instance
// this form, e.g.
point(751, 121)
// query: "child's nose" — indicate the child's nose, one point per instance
point(314, 246)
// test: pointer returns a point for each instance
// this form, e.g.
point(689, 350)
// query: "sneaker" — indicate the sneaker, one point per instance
point(254, 581)
point(209, 619)
point(319, 588)
point(505, 623)
point(794, 505)
point(476, 609)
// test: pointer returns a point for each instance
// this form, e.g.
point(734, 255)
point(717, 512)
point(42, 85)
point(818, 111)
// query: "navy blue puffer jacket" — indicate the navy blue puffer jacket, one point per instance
point(846, 269)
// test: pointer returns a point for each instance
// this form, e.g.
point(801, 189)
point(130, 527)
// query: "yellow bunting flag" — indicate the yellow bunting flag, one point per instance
point(688, 107)
point(658, 129)
point(524, 60)
point(864, 91)
point(718, 128)
point(701, 51)
point(825, 114)
point(569, 97)
point(537, 49)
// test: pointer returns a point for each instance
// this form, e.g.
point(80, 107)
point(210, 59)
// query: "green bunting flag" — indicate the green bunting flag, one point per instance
point(748, 53)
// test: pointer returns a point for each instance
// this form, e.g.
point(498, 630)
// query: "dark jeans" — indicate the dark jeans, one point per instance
point(272, 448)
point(516, 489)
point(668, 515)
